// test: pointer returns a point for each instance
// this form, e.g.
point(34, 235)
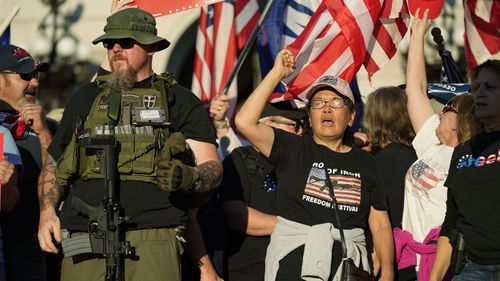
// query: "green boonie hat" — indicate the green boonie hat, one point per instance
point(135, 24)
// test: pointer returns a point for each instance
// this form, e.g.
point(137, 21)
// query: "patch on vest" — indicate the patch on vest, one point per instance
point(149, 101)
point(131, 99)
point(103, 103)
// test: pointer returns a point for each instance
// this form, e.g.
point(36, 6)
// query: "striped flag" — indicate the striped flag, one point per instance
point(285, 21)
point(347, 189)
point(223, 29)
point(389, 29)
point(343, 35)
point(423, 177)
point(482, 30)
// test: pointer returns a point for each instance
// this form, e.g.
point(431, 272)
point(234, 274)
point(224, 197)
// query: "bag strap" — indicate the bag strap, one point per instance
point(337, 214)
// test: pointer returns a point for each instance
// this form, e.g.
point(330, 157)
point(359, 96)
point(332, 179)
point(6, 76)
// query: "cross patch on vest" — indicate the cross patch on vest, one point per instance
point(149, 101)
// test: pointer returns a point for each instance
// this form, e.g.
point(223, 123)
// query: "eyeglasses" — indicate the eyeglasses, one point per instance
point(25, 76)
point(296, 125)
point(124, 43)
point(335, 103)
point(449, 108)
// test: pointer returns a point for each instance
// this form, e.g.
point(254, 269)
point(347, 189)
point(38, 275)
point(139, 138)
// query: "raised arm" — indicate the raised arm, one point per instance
point(247, 119)
point(49, 196)
point(419, 105)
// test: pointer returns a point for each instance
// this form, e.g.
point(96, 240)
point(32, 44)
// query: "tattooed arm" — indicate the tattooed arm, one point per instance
point(49, 195)
point(208, 164)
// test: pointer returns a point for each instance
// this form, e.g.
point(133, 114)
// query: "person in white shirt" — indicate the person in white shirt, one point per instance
point(436, 136)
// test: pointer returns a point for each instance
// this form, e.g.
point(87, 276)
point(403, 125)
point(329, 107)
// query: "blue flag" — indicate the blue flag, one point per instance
point(5, 38)
point(450, 73)
point(284, 23)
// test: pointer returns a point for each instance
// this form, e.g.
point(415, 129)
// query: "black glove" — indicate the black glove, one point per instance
point(173, 175)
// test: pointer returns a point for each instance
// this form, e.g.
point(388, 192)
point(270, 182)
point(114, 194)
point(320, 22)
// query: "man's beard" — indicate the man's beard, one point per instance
point(29, 97)
point(122, 79)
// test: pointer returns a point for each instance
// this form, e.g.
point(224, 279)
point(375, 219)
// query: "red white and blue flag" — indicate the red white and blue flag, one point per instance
point(223, 30)
point(482, 30)
point(341, 36)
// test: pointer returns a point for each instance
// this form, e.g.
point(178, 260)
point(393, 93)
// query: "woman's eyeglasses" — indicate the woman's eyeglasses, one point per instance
point(449, 108)
point(335, 103)
point(25, 76)
point(124, 43)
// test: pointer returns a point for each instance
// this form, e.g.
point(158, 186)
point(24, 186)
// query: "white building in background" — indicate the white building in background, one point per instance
point(24, 32)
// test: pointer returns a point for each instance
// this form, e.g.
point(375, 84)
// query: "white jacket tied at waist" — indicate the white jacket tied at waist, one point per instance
point(318, 248)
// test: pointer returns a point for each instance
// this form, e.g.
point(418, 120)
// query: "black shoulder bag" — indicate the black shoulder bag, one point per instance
point(350, 272)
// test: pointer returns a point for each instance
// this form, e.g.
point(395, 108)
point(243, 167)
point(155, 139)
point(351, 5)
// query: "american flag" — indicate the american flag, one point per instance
point(342, 35)
point(223, 29)
point(423, 176)
point(482, 30)
point(347, 189)
point(316, 184)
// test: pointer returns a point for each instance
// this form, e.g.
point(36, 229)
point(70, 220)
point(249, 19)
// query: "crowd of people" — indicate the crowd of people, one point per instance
point(138, 182)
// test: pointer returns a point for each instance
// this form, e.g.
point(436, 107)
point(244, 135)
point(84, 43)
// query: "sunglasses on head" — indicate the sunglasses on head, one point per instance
point(449, 108)
point(26, 76)
point(297, 125)
point(124, 43)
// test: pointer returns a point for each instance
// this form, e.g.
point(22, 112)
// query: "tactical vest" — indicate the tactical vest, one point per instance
point(140, 128)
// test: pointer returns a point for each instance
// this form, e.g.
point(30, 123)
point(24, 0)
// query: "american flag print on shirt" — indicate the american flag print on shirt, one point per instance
point(423, 177)
point(347, 189)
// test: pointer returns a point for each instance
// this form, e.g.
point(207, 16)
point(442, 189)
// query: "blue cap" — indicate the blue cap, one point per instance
point(18, 60)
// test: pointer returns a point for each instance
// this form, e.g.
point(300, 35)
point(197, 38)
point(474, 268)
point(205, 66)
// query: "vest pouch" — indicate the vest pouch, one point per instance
point(126, 144)
point(145, 164)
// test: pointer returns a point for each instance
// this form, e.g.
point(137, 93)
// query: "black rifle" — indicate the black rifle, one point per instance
point(105, 222)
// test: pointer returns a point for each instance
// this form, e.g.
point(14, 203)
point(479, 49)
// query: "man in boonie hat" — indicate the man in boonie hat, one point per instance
point(155, 122)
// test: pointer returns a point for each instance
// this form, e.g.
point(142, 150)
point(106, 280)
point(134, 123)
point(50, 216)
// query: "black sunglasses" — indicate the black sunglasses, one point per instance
point(449, 108)
point(124, 43)
point(26, 76)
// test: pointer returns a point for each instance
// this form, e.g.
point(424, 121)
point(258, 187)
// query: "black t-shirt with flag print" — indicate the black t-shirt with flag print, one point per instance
point(303, 195)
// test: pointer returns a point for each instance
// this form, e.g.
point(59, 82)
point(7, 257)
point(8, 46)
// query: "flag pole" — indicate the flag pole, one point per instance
point(247, 47)
point(9, 19)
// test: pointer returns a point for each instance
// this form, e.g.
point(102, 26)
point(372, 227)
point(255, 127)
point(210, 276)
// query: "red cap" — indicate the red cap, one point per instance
point(434, 6)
